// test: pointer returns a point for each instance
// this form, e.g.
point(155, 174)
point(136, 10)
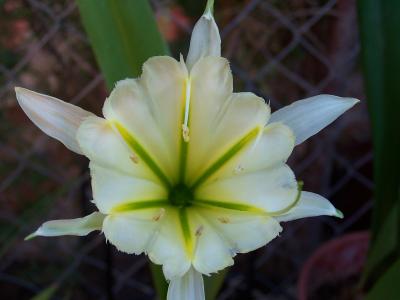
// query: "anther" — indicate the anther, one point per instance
point(185, 127)
point(199, 231)
point(224, 220)
point(159, 215)
point(185, 133)
point(134, 158)
point(238, 169)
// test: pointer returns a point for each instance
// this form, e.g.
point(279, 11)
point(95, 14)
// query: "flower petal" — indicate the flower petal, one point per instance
point(168, 247)
point(99, 142)
point(307, 117)
point(205, 40)
point(272, 148)
point(135, 105)
point(310, 205)
point(269, 189)
point(188, 287)
point(212, 252)
point(78, 226)
point(165, 81)
point(218, 118)
point(244, 231)
point(56, 118)
point(132, 232)
point(111, 189)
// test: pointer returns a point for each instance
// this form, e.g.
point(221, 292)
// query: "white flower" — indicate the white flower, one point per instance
point(182, 168)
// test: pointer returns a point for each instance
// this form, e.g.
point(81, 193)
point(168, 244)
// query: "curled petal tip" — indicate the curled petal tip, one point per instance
point(339, 214)
point(208, 12)
point(31, 236)
point(354, 100)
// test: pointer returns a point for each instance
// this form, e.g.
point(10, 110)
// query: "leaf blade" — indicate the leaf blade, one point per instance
point(123, 35)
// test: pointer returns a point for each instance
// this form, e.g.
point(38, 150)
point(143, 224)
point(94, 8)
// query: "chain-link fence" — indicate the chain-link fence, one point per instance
point(281, 50)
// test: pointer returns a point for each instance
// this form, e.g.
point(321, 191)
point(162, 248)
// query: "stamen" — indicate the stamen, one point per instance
point(134, 158)
point(185, 133)
point(159, 215)
point(199, 231)
point(185, 128)
point(238, 169)
point(224, 220)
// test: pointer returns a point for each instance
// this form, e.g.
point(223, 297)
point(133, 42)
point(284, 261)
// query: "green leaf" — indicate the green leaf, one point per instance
point(47, 293)
point(123, 35)
point(379, 32)
point(213, 284)
point(159, 281)
point(386, 287)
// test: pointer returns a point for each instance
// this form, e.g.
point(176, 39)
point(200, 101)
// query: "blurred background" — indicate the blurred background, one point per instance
point(280, 50)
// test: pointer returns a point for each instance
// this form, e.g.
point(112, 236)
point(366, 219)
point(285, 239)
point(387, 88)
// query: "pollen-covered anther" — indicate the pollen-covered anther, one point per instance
point(158, 216)
point(185, 132)
point(199, 231)
point(238, 169)
point(224, 220)
point(134, 158)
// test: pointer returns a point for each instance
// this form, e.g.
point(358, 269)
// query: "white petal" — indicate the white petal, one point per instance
point(310, 205)
point(78, 226)
point(205, 40)
point(165, 79)
point(168, 248)
point(307, 117)
point(103, 146)
point(218, 118)
point(272, 148)
point(270, 189)
point(56, 118)
point(212, 252)
point(111, 188)
point(132, 232)
point(136, 105)
point(188, 287)
point(244, 231)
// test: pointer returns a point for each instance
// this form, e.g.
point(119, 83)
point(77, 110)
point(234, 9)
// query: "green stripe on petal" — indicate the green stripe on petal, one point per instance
point(226, 157)
point(141, 152)
point(184, 220)
point(249, 208)
point(136, 205)
point(291, 205)
point(228, 205)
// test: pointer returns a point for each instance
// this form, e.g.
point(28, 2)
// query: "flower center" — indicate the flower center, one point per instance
point(180, 195)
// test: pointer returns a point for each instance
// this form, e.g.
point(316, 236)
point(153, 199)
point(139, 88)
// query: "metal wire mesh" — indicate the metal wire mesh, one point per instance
point(281, 50)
